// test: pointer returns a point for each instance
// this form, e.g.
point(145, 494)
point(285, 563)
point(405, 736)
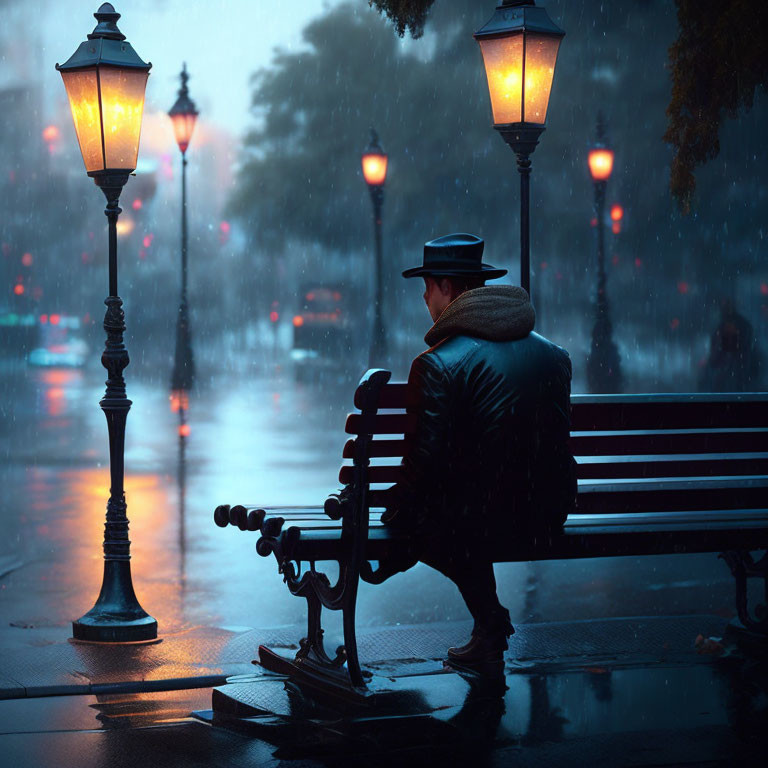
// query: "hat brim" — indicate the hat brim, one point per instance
point(486, 271)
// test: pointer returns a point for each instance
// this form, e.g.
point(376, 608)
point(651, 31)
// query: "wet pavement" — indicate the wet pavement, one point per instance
point(622, 692)
point(585, 684)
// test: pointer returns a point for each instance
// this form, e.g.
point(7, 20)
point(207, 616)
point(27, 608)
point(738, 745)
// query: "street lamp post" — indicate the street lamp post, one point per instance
point(183, 114)
point(603, 363)
point(105, 81)
point(519, 45)
point(374, 162)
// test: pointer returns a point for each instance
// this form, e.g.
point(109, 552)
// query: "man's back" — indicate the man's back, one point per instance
point(489, 458)
point(490, 452)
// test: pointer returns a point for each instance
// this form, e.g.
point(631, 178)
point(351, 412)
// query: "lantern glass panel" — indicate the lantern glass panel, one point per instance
point(122, 102)
point(600, 162)
point(540, 57)
point(83, 94)
point(375, 169)
point(183, 127)
point(503, 59)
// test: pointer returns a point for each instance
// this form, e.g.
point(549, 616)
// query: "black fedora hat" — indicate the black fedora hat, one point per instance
point(457, 255)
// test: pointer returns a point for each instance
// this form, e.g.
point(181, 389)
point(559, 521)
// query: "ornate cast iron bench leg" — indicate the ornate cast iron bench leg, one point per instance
point(751, 627)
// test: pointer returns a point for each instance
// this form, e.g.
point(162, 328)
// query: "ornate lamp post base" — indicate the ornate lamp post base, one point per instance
point(117, 616)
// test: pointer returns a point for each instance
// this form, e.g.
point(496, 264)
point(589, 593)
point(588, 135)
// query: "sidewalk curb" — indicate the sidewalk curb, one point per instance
point(103, 689)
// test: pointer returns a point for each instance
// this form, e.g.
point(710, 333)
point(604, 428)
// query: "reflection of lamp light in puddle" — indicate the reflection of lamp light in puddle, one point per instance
point(124, 226)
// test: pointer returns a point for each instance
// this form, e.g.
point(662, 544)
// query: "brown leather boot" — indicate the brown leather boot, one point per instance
point(488, 641)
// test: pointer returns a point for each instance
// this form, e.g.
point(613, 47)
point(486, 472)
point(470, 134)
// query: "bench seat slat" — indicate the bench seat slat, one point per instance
point(582, 538)
point(642, 520)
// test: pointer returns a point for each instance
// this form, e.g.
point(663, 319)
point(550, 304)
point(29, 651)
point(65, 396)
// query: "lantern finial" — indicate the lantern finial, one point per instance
point(107, 17)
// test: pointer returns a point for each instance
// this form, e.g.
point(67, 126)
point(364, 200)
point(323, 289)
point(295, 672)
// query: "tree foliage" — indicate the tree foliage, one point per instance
point(408, 15)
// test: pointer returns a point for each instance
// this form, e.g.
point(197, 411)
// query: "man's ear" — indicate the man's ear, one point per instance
point(445, 286)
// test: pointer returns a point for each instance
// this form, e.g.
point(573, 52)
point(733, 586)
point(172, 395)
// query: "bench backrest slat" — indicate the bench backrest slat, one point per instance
point(383, 423)
point(616, 467)
point(693, 437)
point(619, 412)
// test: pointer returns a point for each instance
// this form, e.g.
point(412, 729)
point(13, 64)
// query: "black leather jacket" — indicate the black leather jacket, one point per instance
point(490, 453)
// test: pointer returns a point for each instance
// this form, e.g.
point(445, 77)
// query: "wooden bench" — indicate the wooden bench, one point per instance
point(658, 474)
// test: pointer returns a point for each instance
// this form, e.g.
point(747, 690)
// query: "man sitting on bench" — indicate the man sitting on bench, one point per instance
point(488, 462)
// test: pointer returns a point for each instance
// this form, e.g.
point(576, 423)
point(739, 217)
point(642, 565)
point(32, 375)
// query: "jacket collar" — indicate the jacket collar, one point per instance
point(493, 312)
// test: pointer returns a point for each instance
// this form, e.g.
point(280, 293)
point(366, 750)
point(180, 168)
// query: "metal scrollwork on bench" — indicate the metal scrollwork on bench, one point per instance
point(744, 566)
point(351, 507)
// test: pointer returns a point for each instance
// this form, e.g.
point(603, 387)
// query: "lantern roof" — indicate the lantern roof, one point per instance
point(183, 104)
point(374, 148)
point(513, 16)
point(106, 45)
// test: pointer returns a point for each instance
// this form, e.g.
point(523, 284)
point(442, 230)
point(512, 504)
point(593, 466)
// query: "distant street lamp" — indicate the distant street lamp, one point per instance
point(105, 81)
point(183, 114)
point(519, 45)
point(603, 364)
point(374, 161)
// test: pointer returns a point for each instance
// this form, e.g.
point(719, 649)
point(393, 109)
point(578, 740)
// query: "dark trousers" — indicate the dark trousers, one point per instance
point(475, 579)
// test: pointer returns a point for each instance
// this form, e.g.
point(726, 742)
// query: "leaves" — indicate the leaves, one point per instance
point(408, 15)
point(718, 60)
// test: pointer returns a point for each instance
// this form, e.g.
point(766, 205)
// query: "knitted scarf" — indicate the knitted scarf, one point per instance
point(493, 312)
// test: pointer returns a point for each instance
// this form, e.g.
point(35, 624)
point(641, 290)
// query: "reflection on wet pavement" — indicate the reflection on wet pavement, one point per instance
point(706, 714)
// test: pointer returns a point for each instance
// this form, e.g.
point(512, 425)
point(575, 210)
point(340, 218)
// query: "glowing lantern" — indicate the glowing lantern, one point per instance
point(105, 81)
point(600, 161)
point(519, 46)
point(18, 289)
point(374, 162)
point(617, 212)
point(298, 321)
point(183, 114)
